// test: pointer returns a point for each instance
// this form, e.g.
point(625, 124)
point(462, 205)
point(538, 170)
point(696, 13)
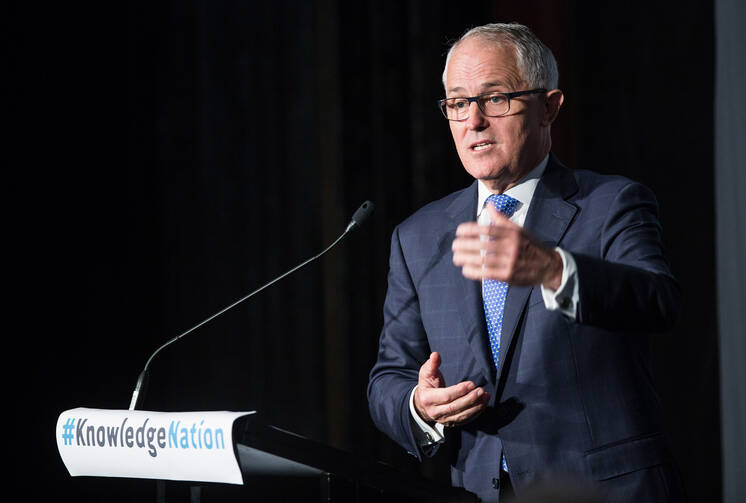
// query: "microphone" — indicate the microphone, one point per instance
point(360, 216)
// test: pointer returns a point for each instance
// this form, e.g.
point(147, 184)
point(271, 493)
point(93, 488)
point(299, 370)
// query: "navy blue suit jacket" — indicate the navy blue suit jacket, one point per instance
point(572, 398)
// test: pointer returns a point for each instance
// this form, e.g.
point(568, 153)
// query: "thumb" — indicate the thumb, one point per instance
point(430, 376)
point(496, 218)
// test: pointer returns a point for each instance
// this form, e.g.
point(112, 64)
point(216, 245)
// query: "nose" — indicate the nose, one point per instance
point(476, 120)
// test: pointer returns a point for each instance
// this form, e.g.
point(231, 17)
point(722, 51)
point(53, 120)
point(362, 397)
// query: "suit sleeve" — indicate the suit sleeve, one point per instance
point(403, 348)
point(628, 285)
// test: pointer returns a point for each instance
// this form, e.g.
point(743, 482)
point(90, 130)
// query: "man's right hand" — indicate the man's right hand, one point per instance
point(450, 406)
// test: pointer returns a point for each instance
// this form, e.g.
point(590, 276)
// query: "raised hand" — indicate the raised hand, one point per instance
point(448, 405)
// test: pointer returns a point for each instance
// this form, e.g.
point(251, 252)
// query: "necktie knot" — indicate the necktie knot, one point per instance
point(503, 203)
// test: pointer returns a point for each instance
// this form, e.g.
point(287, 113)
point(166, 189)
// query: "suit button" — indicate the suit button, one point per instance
point(496, 483)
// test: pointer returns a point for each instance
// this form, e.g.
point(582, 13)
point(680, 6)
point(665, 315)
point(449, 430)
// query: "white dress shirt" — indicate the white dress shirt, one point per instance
point(565, 299)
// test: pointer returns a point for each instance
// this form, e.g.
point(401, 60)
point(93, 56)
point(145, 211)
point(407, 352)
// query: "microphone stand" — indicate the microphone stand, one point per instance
point(362, 213)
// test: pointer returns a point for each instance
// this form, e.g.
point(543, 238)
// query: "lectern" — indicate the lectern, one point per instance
point(270, 454)
point(191, 454)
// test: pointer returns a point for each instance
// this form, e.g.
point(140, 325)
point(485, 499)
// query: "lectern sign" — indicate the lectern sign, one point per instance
point(194, 446)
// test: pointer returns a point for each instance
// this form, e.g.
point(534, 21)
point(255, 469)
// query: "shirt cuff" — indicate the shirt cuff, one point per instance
point(567, 297)
point(424, 433)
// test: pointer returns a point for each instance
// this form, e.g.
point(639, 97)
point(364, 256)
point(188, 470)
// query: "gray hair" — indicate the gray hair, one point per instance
point(535, 60)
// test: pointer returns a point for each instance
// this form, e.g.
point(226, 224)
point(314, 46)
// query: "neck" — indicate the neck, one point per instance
point(502, 183)
point(507, 178)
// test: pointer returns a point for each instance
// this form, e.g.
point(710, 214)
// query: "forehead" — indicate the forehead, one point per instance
point(477, 65)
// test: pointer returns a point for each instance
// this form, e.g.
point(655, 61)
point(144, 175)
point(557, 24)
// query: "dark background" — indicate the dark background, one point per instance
point(167, 158)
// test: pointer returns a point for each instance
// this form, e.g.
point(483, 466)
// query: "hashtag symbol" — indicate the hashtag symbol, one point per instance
point(67, 428)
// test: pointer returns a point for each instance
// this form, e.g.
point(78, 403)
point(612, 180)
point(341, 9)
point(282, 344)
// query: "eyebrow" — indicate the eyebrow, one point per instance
point(484, 86)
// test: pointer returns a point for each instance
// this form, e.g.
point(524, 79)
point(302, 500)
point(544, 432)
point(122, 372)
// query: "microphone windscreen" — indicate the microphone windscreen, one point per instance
point(363, 212)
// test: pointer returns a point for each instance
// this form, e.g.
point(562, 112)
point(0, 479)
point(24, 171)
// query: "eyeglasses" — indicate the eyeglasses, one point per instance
point(490, 104)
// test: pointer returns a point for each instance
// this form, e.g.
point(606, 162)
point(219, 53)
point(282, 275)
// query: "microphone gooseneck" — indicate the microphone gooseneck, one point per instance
point(362, 214)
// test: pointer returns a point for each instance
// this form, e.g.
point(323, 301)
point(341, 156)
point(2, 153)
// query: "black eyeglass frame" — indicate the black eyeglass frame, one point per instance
point(477, 98)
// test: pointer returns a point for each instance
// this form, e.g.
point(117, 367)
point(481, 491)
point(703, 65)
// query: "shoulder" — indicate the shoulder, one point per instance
point(590, 181)
point(434, 224)
point(461, 202)
point(608, 192)
point(588, 187)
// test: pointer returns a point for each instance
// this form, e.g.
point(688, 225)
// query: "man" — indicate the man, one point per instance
point(522, 335)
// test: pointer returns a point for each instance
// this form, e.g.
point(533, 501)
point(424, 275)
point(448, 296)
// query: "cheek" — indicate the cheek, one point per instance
point(514, 136)
point(456, 131)
point(458, 137)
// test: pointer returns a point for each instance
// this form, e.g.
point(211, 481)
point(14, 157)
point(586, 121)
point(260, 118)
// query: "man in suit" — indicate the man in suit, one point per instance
point(519, 310)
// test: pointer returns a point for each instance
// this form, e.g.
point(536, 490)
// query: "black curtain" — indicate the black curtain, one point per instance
point(177, 155)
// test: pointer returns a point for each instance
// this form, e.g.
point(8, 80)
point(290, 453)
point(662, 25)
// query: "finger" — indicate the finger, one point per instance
point(485, 235)
point(437, 397)
point(427, 395)
point(467, 256)
point(503, 242)
point(497, 218)
point(435, 360)
point(467, 414)
point(430, 368)
point(498, 272)
point(459, 407)
point(495, 260)
point(469, 244)
point(477, 272)
point(506, 268)
point(471, 229)
point(429, 375)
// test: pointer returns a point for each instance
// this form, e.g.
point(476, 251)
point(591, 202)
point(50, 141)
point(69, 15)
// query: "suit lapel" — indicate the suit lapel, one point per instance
point(548, 218)
point(470, 307)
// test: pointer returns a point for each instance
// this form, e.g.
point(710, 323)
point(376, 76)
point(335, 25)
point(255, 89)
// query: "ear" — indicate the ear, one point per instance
point(554, 100)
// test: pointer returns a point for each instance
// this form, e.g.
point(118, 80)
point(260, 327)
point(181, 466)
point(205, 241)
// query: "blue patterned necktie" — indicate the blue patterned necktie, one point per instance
point(494, 292)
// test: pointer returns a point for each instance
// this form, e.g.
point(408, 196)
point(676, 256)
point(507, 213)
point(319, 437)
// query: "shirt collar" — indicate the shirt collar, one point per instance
point(523, 191)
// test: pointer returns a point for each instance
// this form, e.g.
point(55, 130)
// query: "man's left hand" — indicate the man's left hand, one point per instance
point(505, 252)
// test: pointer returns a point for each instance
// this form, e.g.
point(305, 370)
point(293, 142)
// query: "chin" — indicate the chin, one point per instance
point(484, 172)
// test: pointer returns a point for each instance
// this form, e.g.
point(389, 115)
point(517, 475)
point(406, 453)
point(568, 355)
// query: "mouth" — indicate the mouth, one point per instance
point(481, 145)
